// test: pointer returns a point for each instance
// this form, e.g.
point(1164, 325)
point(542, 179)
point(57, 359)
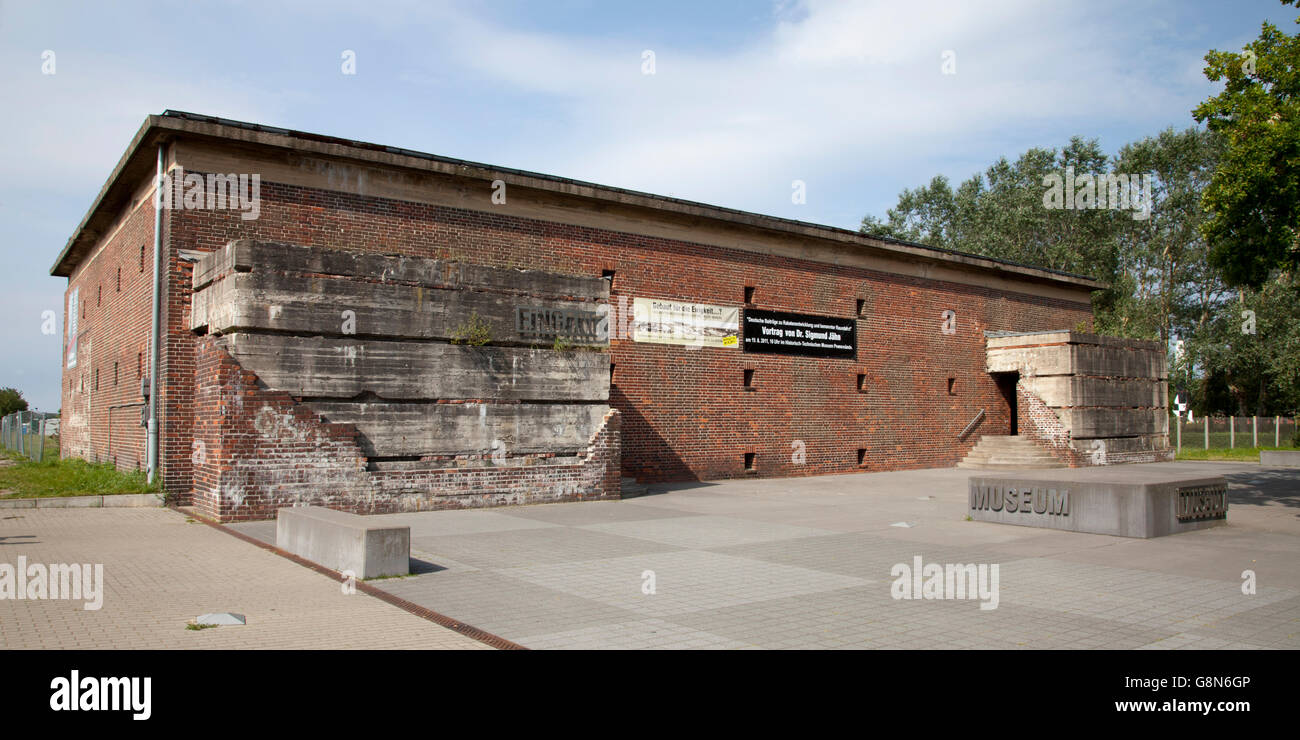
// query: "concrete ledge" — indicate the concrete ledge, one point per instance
point(1280, 458)
point(1127, 502)
point(112, 501)
point(344, 542)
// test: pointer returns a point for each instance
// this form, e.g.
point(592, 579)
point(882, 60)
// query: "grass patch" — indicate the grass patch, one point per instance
point(196, 627)
point(70, 477)
point(475, 333)
point(1233, 454)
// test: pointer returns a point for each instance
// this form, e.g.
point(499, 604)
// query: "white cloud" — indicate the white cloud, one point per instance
point(833, 88)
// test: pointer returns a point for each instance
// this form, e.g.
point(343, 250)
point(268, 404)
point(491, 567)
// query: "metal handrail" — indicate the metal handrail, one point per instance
point(971, 425)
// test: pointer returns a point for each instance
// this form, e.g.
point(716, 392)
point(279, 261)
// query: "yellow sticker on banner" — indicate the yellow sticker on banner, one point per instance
point(729, 341)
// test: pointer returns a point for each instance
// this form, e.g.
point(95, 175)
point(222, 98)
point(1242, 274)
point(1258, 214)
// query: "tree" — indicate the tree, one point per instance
point(1246, 358)
point(1165, 288)
point(1254, 197)
point(11, 400)
point(1001, 213)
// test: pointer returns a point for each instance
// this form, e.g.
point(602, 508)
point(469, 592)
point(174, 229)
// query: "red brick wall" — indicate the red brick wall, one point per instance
point(1041, 424)
point(114, 332)
point(684, 411)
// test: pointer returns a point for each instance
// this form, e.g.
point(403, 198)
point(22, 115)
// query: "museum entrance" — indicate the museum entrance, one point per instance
point(1006, 383)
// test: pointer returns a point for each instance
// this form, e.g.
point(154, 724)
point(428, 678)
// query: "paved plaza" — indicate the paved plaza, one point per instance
point(162, 570)
point(806, 563)
point(775, 563)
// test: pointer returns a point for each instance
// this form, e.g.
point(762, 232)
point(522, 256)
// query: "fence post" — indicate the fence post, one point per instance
point(1254, 431)
point(40, 456)
point(1277, 431)
point(1232, 432)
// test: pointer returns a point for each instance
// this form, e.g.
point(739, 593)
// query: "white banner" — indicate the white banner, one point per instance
point(660, 321)
point(71, 325)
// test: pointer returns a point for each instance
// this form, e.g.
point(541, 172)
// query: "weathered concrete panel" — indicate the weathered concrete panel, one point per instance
point(1113, 422)
point(316, 305)
point(252, 256)
point(1031, 361)
point(1068, 353)
point(1117, 362)
point(406, 429)
point(1057, 391)
point(344, 542)
point(1279, 458)
point(317, 367)
point(997, 340)
point(1117, 447)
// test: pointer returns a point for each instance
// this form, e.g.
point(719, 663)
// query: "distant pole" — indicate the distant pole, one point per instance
point(1207, 432)
point(1232, 432)
point(1254, 431)
point(1178, 424)
point(1277, 431)
point(40, 456)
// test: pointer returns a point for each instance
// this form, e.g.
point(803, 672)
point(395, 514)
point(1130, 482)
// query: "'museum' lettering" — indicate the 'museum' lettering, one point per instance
point(1201, 503)
point(1025, 500)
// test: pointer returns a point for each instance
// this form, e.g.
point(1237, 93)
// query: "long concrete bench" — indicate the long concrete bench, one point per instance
point(1279, 458)
point(343, 541)
point(1123, 500)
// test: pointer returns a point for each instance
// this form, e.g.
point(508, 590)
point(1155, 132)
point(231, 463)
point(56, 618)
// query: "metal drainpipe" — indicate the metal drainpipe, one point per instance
point(155, 361)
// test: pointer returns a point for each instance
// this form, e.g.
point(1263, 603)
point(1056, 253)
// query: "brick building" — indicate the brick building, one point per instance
point(903, 396)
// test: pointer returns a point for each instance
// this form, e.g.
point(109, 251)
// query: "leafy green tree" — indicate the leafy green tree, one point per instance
point(1164, 288)
point(1001, 213)
point(1246, 358)
point(1254, 197)
point(11, 400)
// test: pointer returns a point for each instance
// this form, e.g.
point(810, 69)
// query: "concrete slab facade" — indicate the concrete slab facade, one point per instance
point(1088, 399)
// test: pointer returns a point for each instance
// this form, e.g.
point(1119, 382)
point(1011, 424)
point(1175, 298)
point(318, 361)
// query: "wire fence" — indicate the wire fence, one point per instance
point(31, 433)
point(1229, 432)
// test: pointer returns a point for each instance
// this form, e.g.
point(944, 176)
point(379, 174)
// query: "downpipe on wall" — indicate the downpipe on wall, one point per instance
point(155, 332)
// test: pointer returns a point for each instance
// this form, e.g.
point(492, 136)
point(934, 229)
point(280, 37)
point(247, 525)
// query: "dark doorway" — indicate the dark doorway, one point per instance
point(1007, 387)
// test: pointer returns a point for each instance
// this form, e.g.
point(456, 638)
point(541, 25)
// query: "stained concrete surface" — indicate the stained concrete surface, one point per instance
point(807, 563)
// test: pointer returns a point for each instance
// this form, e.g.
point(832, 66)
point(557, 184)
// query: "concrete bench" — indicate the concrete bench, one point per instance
point(1279, 458)
point(1123, 500)
point(343, 541)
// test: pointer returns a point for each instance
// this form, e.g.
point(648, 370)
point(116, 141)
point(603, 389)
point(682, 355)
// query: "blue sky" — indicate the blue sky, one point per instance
point(746, 97)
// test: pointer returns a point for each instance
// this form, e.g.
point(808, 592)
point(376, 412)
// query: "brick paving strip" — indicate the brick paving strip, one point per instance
point(161, 570)
point(455, 625)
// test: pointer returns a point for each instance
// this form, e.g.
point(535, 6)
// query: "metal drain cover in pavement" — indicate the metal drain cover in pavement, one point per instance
point(222, 619)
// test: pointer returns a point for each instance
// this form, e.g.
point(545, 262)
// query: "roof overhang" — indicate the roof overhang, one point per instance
point(139, 162)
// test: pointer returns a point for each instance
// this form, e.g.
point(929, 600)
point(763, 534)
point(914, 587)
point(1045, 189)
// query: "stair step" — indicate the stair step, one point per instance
point(1009, 466)
point(1007, 452)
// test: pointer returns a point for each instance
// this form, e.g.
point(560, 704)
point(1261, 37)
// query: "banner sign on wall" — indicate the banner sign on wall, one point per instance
point(72, 326)
point(693, 324)
point(780, 333)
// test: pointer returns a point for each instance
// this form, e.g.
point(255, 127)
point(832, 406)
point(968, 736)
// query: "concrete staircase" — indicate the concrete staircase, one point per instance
point(1002, 451)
